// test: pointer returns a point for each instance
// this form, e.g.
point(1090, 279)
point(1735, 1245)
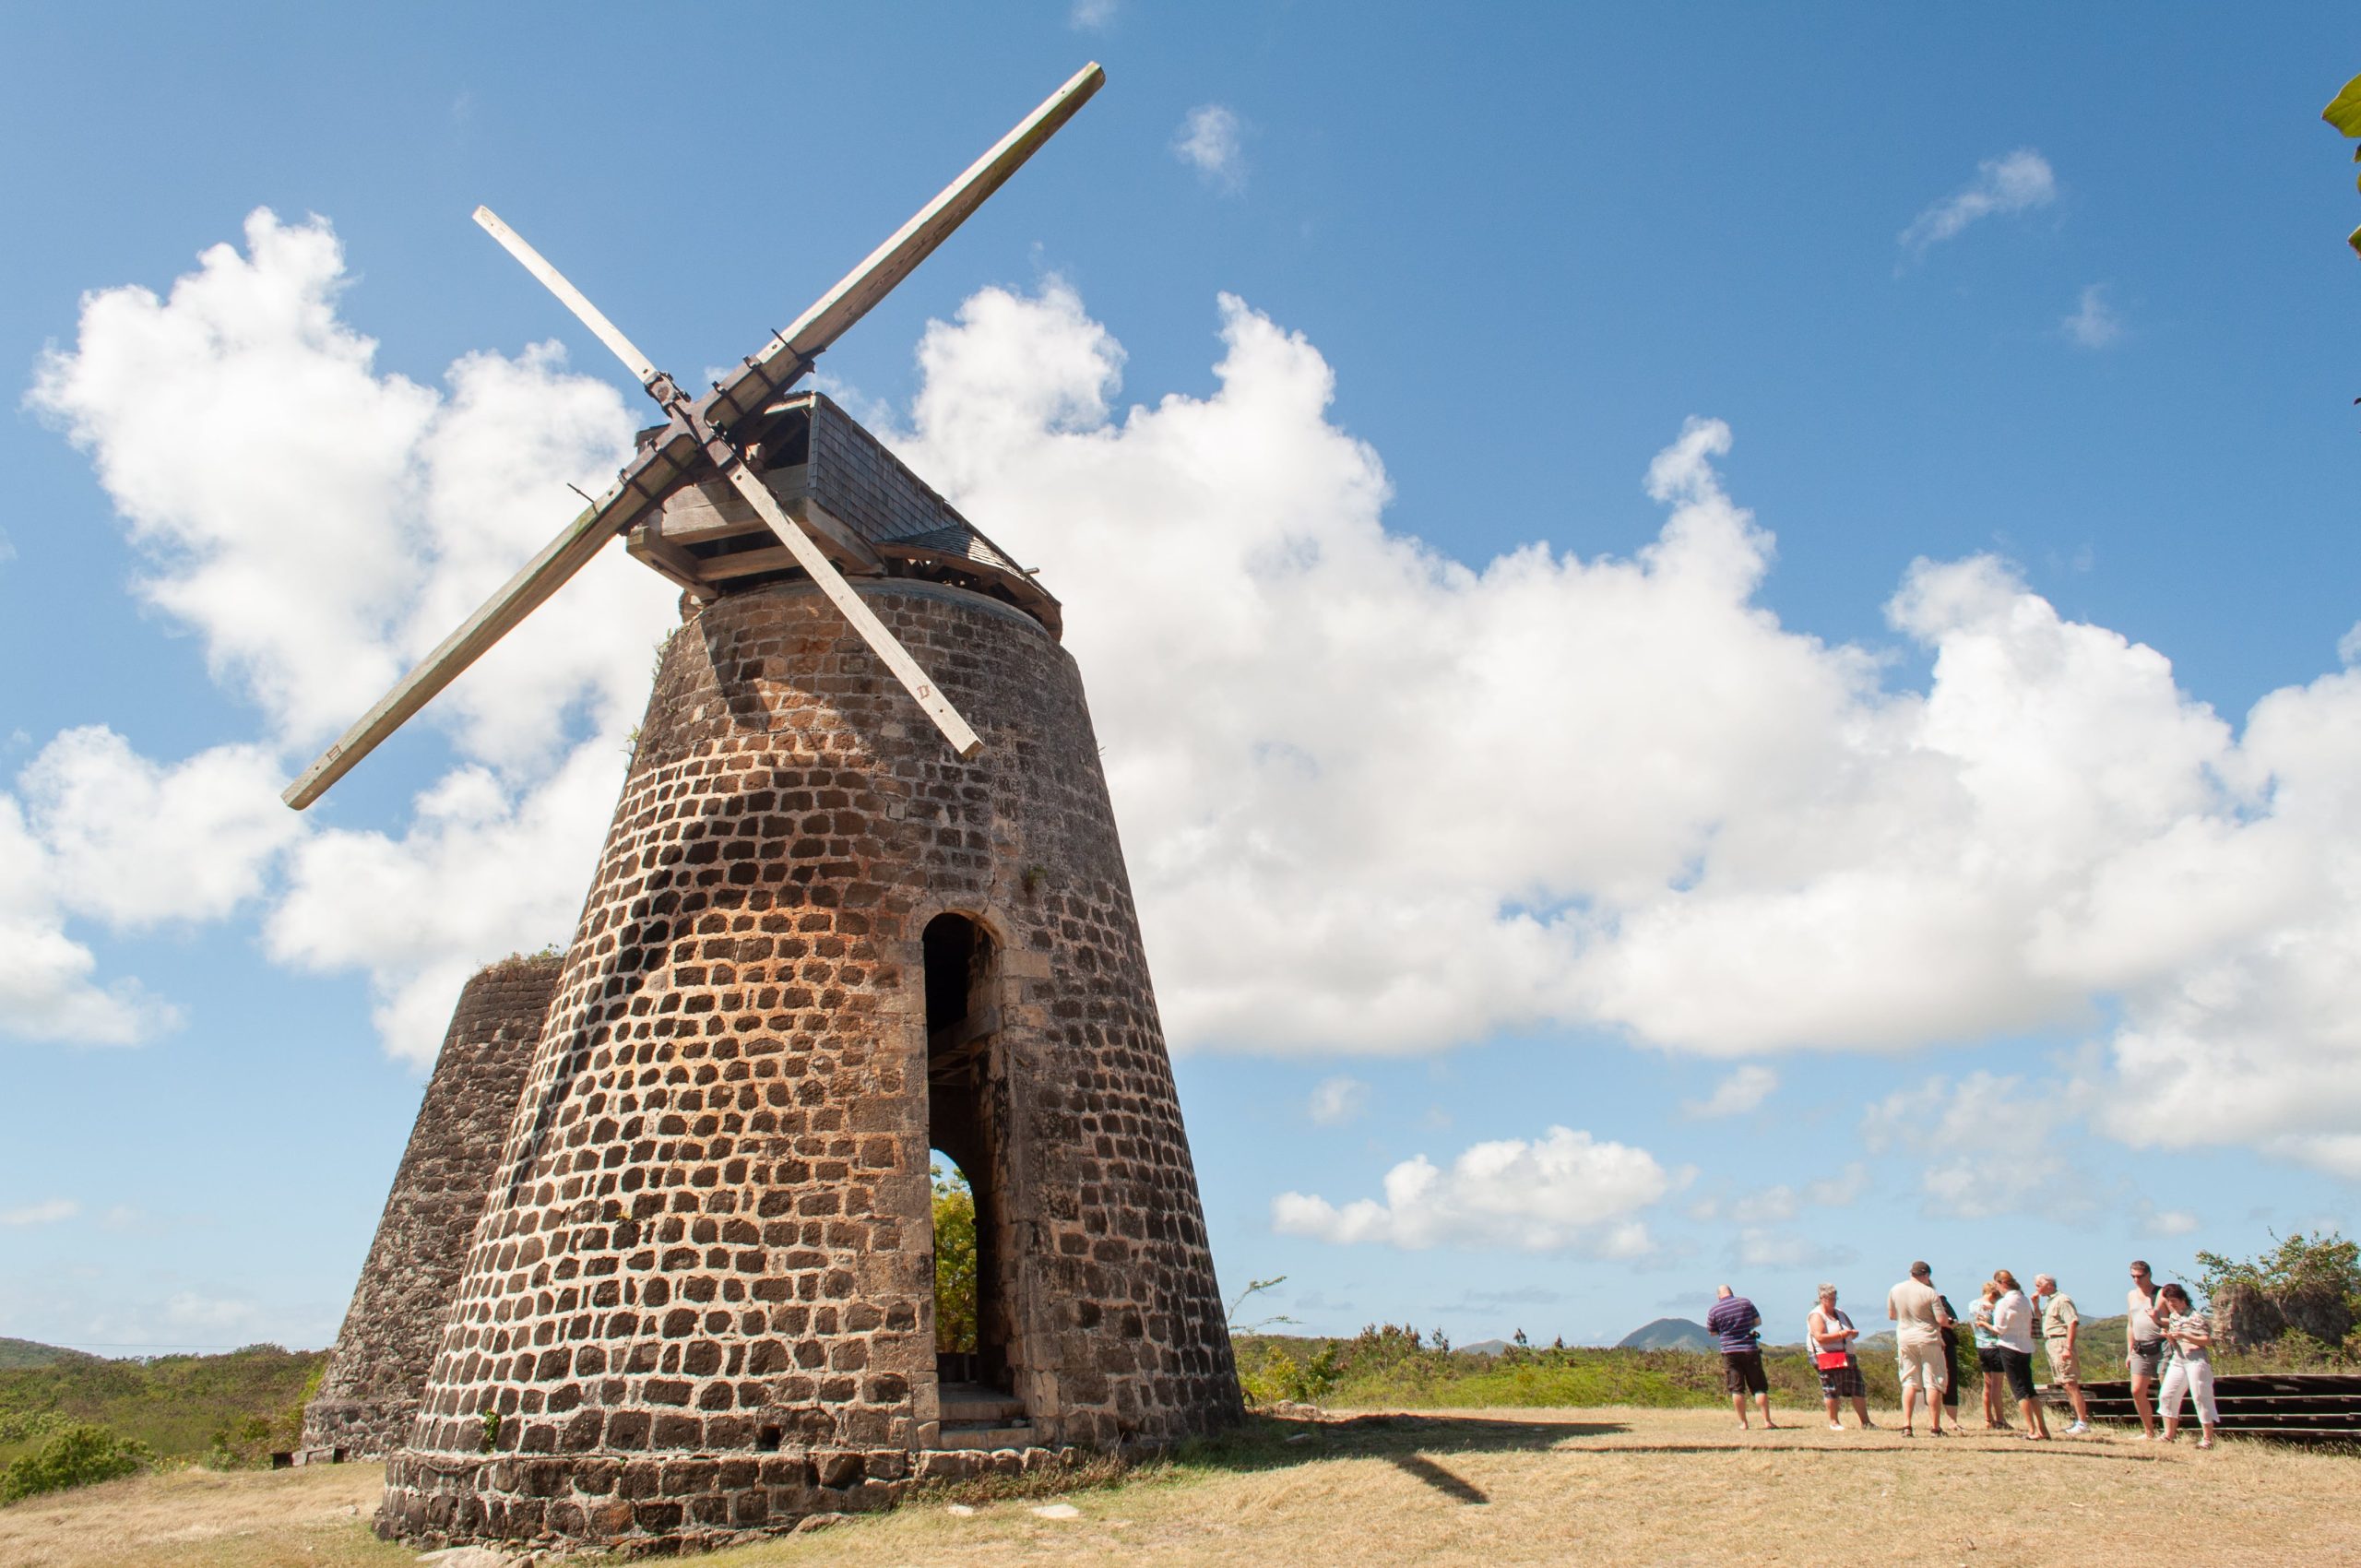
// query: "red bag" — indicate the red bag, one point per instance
point(1828, 1361)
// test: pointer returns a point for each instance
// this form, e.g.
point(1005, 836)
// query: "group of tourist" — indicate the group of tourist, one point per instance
point(2166, 1334)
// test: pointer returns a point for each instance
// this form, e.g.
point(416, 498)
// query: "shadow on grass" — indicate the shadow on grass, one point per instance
point(1269, 1443)
point(1409, 1443)
point(2045, 1450)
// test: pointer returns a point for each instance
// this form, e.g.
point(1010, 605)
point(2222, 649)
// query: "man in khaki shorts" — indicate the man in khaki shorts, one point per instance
point(1918, 1324)
point(2061, 1331)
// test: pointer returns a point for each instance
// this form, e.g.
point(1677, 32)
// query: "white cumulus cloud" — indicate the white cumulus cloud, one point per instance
point(1565, 1192)
point(1376, 798)
point(1989, 1144)
point(1741, 1092)
point(2016, 182)
point(1212, 140)
point(49, 1211)
point(319, 524)
point(2094, 323)
point(1659, 809)
point(1337, 1100)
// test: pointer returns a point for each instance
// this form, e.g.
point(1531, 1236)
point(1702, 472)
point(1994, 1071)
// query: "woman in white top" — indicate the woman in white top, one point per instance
point(2013, 1329)
point(2188, 1342)
point(1829, 1334)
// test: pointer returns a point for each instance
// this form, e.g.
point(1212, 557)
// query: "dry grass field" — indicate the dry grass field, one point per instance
point(1484, 1488)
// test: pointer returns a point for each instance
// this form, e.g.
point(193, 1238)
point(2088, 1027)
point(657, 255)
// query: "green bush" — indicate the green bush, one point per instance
point(183, 1406)
point(73, 1455)
point(954, 1262)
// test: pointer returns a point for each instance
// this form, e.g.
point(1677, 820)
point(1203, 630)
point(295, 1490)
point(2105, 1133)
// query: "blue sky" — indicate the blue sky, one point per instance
point(1916, 886)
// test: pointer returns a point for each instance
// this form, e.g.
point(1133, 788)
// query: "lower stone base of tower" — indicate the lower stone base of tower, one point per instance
point(358, 1429)
point(660, 1504)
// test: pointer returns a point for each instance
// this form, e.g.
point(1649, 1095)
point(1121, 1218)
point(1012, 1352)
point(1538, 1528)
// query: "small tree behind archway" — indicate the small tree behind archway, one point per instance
point(955, 1260)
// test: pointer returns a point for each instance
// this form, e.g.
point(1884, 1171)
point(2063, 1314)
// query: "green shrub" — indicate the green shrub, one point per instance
point(73, 1455)
point(183, 1406)
point(954, 1262)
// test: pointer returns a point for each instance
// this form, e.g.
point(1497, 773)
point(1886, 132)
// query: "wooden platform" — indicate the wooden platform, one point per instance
point(2284, 1407)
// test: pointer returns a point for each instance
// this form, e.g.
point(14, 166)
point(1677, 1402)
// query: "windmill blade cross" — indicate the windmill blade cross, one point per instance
point(703, 428)
point(748, 484)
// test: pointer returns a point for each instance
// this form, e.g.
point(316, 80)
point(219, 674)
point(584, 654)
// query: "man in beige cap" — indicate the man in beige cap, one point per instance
point(2061, 1332)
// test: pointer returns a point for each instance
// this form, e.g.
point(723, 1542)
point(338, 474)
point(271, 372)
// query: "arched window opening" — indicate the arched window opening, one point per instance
point(967, 1116)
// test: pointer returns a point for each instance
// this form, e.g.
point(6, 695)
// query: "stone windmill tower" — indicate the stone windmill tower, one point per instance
point(862, 898)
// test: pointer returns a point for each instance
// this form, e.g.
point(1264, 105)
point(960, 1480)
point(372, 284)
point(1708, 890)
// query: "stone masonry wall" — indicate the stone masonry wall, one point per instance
point(701, 1302)
point(370, 1389)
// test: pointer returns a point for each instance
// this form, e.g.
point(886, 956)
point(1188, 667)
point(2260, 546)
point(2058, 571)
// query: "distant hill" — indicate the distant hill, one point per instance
point(1668, 1334)
point(32, 1353)
point(1488, 1348)
point(177, 1405)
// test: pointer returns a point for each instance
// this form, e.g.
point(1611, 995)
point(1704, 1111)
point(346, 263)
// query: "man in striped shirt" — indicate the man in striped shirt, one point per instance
point(1738, 1327)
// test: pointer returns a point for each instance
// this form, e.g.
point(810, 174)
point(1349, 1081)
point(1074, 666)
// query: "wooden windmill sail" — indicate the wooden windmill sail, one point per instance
point(716, 441)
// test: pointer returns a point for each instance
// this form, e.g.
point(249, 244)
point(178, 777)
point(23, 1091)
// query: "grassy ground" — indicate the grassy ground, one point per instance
point(1476, 1488)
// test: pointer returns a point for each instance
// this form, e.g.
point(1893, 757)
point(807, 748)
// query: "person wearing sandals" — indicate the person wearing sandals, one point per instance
point(1737, 1327)
point(2144, 1343)
point(1918, 1324)
point(1831, 1334)
point(2188, 1366)
point(2061, 1330)
point(2012, 1327)
point(1987, 1358)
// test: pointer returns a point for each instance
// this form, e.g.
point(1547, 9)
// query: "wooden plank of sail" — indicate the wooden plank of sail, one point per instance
point(642, 486)
point(747, 389)
point(883, 643)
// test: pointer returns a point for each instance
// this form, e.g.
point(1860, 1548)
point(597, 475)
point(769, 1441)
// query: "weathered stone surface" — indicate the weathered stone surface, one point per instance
point(369, 1390)
point(702, 1295)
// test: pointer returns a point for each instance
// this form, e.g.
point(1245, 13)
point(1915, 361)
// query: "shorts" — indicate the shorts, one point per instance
point(1842, 1382)
point(1988, 1357)
point(2146, 1355)
point(2018, 1365)
point(2065, 1366)
point(1921, 1364)
point(1742, 1372)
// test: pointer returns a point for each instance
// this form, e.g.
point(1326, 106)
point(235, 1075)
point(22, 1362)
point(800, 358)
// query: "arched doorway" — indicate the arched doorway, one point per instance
point(967, 1115)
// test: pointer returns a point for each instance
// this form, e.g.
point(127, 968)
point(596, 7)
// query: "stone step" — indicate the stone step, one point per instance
point(1017, 1434)
point(970, 1405)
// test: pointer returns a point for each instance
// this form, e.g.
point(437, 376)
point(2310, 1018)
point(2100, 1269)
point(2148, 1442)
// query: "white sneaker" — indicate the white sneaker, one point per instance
point(1836, 1426)
point(2078, 1428)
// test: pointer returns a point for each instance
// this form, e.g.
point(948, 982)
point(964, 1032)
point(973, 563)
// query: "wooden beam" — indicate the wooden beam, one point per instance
point(745, 563)
point(712, 509)
point(573, 298)
point(667, 560)
point(883, 643)
point(784, 359)
point(641, 487)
